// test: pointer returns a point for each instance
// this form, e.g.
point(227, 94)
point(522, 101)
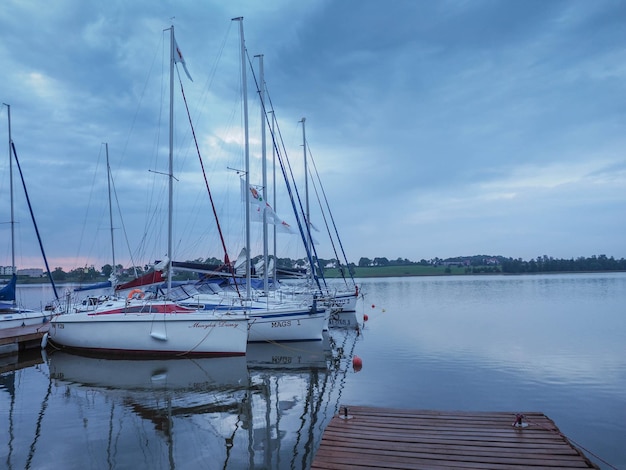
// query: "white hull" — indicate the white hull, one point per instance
point(184, 332)
point(335, 300)
point(20, 318)
point(343, 302)
point(286, 325)
point(270, 320)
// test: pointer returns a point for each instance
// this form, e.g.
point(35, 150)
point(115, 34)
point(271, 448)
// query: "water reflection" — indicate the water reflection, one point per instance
point(554, 344)
point(267, 409)
point(173, 396)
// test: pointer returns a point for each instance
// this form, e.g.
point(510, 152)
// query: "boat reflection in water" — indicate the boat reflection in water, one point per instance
point(267, 409)
point(344, 320)
point(291, 401)
point(195, 407)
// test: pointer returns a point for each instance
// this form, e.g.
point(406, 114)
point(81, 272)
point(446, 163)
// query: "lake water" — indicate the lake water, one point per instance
point(549, 343)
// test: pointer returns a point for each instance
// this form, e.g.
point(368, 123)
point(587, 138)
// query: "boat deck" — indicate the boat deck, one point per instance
point(13, 340)
point(417, 439)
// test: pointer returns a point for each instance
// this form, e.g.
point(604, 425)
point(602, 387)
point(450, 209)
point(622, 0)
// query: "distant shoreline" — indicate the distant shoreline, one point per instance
point(330, 276)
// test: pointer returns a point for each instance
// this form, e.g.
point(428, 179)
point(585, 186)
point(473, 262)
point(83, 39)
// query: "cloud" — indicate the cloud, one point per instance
point(438, 128)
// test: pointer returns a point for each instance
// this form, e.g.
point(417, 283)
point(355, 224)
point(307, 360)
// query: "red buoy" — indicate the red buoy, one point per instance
point(365, 317)
point(357, 363)
point(373, 306)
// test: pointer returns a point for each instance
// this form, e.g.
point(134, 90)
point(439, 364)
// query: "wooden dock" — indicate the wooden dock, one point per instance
point(13, 340)
point(372, 438)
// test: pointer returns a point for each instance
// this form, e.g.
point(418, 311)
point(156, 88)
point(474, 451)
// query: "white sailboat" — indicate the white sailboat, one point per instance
point(13, 315)
point(334, 297)
point(157, 325)
point(270, 319)
point(282, 321)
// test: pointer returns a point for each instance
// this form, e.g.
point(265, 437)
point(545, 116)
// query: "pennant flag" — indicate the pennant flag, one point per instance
point(255, 196)
point(256, 215)
point(178, 57)
point(258, 206)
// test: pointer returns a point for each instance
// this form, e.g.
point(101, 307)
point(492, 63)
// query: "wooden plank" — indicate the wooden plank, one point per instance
point(412, 439)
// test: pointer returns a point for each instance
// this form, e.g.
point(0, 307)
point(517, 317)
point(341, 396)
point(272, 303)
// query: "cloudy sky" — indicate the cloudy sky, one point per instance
point(438, 128)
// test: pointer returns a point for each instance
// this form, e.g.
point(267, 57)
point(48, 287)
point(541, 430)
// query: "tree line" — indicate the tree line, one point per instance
point(501, 264)
point(476, 264)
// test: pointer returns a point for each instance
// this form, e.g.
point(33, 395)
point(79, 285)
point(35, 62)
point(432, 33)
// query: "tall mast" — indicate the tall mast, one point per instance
point(171, 167)
point(307, 215)
point(264, 162)
point(246, 151)
point(110, 206)
point(13, 270)
point(274, 190)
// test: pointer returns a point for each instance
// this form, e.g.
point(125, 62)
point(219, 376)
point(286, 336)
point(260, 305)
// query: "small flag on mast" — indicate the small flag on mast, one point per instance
point(178, 57)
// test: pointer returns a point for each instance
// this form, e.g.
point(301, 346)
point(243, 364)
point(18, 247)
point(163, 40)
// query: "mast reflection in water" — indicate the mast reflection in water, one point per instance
point(265, 410)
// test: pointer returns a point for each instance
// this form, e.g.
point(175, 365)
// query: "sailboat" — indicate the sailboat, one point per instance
point(335, 298)
point(13, 315)
point(270, 320)
point(153, 324)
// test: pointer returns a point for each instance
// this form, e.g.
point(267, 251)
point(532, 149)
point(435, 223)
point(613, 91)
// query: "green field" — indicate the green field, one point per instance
point(399, 271)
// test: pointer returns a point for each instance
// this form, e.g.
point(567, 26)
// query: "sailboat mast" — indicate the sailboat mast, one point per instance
point(106, 146)
point(171, 167)
point(306, 195)
point(246, 151)
point(264, 166)
point(274, 191)
point(13, 270)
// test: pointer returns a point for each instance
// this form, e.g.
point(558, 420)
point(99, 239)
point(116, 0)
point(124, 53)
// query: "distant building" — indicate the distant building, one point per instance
point(31, 272)
point(6, 270)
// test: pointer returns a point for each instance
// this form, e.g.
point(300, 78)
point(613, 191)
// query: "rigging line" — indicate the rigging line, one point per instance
point(141, 97)
point(152, 209)
point(119, 210)
point(332, 242)
point(206, 182)
point(308, 225)
point(212, 73)
point(82, 232)
point(330, 213)
point(282, 166)
point(32, 215)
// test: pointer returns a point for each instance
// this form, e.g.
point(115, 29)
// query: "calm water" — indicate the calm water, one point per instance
point(554, 344)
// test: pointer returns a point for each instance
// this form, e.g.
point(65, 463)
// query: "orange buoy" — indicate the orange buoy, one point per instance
point(357, 363)
point(365, 317)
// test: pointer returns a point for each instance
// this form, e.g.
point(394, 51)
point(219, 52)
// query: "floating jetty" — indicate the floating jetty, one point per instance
point(364, 437)
point(13, 340)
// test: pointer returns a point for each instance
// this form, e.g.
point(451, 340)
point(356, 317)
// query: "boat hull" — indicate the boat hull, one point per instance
point(269, 320)
point(19, 318)
point(343, 302)
point(152, 334)
point(287, 325)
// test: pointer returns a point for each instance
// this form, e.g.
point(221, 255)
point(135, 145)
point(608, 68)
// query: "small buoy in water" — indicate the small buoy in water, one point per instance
point(373, 306)
point(365, 317)
point(357, 363)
